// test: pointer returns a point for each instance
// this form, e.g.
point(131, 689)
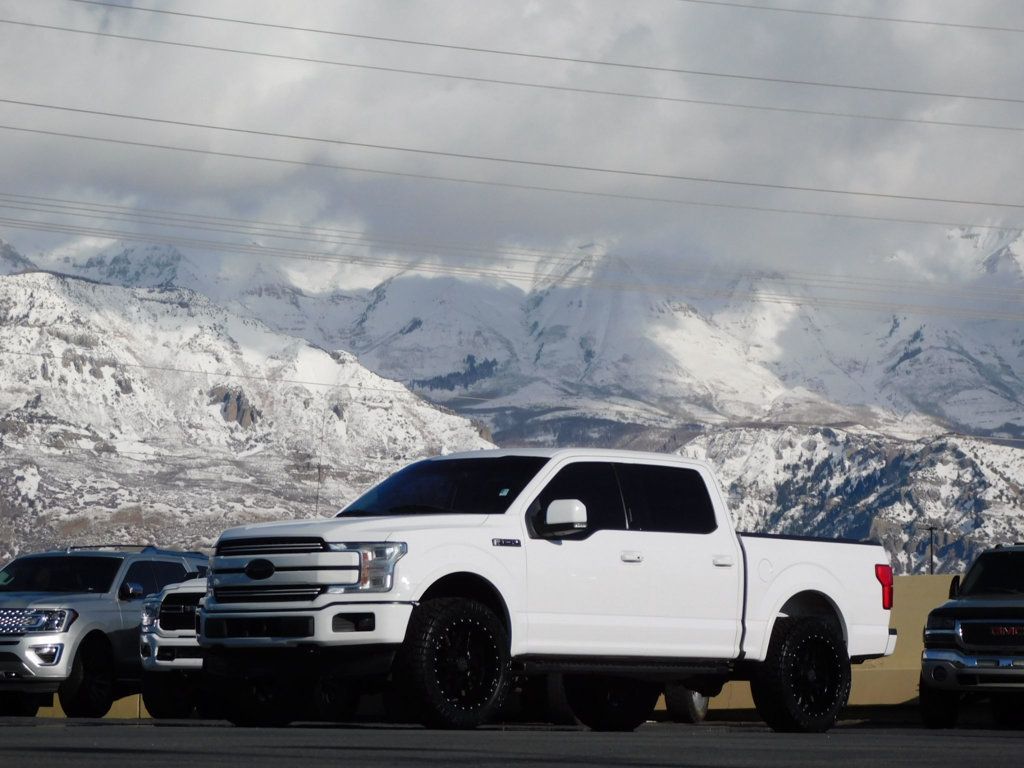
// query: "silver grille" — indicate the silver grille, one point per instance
point(12, 620)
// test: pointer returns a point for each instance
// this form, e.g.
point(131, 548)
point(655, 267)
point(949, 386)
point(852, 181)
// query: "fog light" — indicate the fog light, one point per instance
point(939, 674)
point(47, 655)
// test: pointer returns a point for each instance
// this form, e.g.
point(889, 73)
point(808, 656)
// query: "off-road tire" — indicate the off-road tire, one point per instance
point(257, 704)
point(18, 704)
point(938, 708)
point(167, 695)
point(89, 689)
point(610, 703)
point(335, 700)
point(685, 705)
point(804, 682)
point(453, 667)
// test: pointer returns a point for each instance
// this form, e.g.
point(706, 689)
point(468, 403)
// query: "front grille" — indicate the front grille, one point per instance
point(178, 612)
point(271, 626)
point(12, 620)
point(272, 546)
point(291, 593)
point(992, 634)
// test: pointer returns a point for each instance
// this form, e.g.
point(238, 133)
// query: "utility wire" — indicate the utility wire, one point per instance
point(535, 258)
point(830, 14)
point(559, 190)
point(507, 273)
point(495, 81)
point(507, 160)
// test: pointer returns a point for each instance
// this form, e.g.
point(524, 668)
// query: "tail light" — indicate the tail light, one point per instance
point(884, 575)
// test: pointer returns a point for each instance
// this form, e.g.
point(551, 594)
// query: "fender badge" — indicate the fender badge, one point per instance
point(506, 542)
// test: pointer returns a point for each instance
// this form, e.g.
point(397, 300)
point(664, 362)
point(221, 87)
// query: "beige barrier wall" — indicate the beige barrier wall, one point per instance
point(892, 680)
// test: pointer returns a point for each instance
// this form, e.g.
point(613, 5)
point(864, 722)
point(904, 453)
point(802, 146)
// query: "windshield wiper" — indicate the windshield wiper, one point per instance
point(412, 509)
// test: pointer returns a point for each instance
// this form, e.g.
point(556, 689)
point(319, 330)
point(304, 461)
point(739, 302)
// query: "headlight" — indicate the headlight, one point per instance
point(49, 621)
point(941, 623)
point(150, 615)
point(377, 561)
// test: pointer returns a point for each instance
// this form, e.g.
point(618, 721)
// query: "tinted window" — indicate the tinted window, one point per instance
point(995, 573)
point(141, 572)
point(168, 573)
point(484, 486)
point(666, 499)
point(59, 574)
point(594, 484)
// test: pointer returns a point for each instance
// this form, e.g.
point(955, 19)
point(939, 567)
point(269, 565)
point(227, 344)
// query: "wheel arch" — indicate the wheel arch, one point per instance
point(810, 603)
point(473, 586)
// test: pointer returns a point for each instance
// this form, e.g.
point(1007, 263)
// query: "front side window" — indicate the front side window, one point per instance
point(479, 486)
point(59, 573)
point(666, 499)
point(995, 573)
point(141, 572)
point(168, 573)
point(590, 482)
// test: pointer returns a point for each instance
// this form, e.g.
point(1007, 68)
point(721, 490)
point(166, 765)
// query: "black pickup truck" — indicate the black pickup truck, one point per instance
point(974, 643)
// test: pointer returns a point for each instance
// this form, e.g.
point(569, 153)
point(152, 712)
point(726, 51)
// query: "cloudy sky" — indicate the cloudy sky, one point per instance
point(638, 212)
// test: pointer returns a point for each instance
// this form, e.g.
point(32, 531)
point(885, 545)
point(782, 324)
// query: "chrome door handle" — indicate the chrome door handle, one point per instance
point(631, 557)
point(722, 561)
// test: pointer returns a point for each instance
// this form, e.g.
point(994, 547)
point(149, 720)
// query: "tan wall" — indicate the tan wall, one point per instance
point(892, 680)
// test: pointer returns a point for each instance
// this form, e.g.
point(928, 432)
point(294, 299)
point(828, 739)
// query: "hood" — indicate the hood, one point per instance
point(1008, 607)
point(356, 528)
point(192, 585)
point(48, 599)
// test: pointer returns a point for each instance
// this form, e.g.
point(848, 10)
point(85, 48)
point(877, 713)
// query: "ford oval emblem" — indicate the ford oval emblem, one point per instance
point(259, 569)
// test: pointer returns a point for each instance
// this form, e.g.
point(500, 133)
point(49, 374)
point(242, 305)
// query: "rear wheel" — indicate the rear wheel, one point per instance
point(611, 703)
point(805, 681)
point(89, 689)
point(18, 704)
point(939, 708)
point(167, 695)
point(685, 705)
point(454, 664)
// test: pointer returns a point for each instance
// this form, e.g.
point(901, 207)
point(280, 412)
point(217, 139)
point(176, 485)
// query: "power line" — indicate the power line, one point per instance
point(34, 204)
point(510, 274)
point(557, 190)
point(509, 160)
point(832, 14)
point(495, 81)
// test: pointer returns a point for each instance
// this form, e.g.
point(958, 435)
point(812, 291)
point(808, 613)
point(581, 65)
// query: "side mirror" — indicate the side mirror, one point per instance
point(131, 590)
point(954, 587)
point(565, 516)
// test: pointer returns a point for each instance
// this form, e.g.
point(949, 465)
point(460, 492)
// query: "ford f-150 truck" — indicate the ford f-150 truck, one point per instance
point(619, 570)
point(974, 643)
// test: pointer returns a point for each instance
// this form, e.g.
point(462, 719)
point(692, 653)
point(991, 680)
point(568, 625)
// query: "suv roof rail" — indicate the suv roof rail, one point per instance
point(140, 548)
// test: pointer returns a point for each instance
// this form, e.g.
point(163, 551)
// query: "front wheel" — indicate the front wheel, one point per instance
point(1008, 711)
point(611, 703)
point(805, 681)
point(454, 664)
point(18, 704)
point(167, 695)
point(257, 704)
point(939, 708)
point(685, 705)
point(89, 689)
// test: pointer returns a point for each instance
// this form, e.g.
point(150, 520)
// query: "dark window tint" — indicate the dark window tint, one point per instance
point(483, 486)
point(168, 573)
point(995, 573)
point(59, 574)
point(592, 483)
point(141, 572)
point(666, 499)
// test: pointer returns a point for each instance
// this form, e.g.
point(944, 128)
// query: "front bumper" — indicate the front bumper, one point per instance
point(23, 662)
point(336, 624)
point(953, 670)
point(164, 653)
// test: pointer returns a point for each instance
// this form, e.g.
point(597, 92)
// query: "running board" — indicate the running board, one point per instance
point(623, 666)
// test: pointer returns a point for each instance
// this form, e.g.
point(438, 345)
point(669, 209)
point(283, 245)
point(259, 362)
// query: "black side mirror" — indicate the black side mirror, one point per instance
point(131, 590)
point(954, 587)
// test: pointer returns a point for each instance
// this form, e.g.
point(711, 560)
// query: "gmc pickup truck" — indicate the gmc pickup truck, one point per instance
point(974, 643)
point(619, 570)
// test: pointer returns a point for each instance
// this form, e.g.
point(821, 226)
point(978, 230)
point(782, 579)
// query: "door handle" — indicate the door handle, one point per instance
point(631, 557)
point(722, 561)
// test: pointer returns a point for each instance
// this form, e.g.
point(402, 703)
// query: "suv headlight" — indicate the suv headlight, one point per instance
point(49, 621)
point(150, 615)
point(377, 561)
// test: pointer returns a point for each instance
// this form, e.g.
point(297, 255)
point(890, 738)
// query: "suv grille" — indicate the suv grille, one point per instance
point(12, 620)
point(292, 593)
point(993, 634)
point(280, 546)
point(178, 612)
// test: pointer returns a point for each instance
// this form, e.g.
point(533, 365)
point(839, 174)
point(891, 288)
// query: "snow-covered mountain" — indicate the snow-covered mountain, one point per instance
point(155, 414)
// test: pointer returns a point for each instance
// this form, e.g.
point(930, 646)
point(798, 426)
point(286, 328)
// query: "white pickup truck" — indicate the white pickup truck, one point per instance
point(619, 570)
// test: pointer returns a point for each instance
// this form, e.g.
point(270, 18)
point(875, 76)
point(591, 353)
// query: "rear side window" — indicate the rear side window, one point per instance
point(594, 484)
point(666, 499)
point(141, 572)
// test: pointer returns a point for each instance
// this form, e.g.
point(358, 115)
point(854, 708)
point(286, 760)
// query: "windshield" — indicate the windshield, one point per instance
point(995, 573)
point(449, 486)
point(59, 574)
